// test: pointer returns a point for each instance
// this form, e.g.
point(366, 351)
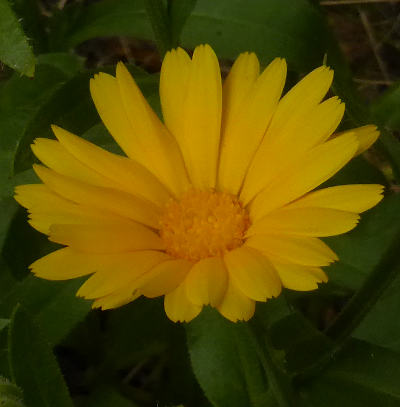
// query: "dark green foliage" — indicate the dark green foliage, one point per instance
point(32, 364)
point(292, 353)
point(10, 394)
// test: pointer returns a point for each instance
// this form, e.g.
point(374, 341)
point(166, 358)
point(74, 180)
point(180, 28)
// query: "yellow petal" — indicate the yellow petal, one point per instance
point(207, 281)
point(252, 273)
point(66, 263)
point(308, 251)
point(308, 172)
point(117, 202)
point(322, 121)
point(300, 278)
point(301, 135)
point(366, 135)
point(47, 208)
point(294, 141)
point(119, 271)
point(173, 88)
point(137, 130)
point(313, 128)
point(125, 174)
point(116, 299)
point(307, 221)
point(36, 196)
point(302, 98)
point(355, 198)
point(52, 154)
point(42, 220)
point(178, 307)
point(237, 85)
point(163, 278)
point(103, 238)
point(155, 147)
point(251, 121)
point(236, 306)
point(107, 99)
point(198, 135)
point(298, 123)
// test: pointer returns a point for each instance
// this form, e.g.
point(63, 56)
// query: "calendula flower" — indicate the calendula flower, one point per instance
point(213, 206)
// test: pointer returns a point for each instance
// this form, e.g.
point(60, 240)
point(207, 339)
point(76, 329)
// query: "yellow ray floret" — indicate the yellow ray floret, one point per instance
point(122, 174)
point(137, 129)
point(251, 116)
point(307, 173)
point(309, 221)
point(253, 273)
point(236, 306)
point(117, 202)
point(114, 238)
point(198, 131)
point(178, 307)
point(120, 272)
point(217, 206)
point(164, 278)
point(207, 281)
point(300, 278)
point(308, 251)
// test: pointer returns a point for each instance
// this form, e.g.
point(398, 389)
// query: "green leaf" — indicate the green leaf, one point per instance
point(167, 23)
point(53, 305)
point(270, 28)
point(275, 28)
point(179, 11)
point(69, 64)
point(78, 23)
point(361, 250)
point(390, 146)
point(362, 375)
point(386, 109)
point(158, 17)
point(69, 106)
point(14, 48)
point(381, 326)
point(34, 23)
point(225, 362)
point(33, 366)
point(10, 394)
point(385, 113)
point(20, 99)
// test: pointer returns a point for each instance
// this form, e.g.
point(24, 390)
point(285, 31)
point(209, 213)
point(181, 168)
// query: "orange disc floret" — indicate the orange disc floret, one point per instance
point(203, 224)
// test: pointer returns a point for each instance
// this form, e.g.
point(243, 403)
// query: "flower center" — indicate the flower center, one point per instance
point(203, 224)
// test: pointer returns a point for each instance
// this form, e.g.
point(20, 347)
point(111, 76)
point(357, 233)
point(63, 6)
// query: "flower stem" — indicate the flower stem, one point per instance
point(358, 307)
point(367, 296)
point(278, 381)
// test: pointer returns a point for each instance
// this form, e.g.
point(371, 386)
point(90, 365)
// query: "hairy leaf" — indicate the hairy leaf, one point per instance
point(15, 50)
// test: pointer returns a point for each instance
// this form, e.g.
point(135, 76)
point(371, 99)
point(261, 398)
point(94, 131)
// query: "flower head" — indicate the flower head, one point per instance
point(215, 205)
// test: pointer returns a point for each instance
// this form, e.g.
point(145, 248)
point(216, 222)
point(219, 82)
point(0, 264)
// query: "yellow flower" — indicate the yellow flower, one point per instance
point(211, 207)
